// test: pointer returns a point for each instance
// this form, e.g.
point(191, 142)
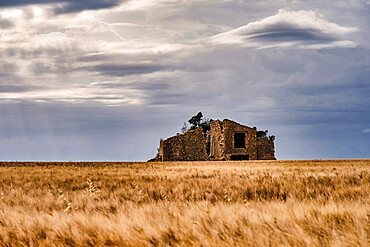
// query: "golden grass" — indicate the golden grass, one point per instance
point(254, 203)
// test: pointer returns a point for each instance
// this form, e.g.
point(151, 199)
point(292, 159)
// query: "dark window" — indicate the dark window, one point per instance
point(239, 157)
point(239, 140)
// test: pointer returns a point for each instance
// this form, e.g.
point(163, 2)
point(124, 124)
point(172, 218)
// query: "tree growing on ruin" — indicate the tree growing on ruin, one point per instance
point(195, 121)
point(261, 133)
point(198, 121)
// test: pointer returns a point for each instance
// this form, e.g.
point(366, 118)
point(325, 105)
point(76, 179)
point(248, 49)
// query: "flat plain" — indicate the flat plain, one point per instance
point(229, 203)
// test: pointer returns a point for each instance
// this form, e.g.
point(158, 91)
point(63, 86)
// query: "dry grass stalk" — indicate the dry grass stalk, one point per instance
point(254, 203)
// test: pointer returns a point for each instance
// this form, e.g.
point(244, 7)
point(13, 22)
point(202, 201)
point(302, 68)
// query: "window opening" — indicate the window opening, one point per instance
point(239, 140)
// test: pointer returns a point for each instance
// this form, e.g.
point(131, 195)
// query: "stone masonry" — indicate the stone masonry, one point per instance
point(189, 146)
point(227, 140)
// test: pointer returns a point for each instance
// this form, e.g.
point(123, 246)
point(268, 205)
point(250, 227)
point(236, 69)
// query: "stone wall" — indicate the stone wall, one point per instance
point(265, 149)
point(217, 142)
point(189, 146)
point(231, 127)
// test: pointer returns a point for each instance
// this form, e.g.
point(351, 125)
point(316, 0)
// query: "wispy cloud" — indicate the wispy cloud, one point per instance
point(301, 29)
point(367, 130)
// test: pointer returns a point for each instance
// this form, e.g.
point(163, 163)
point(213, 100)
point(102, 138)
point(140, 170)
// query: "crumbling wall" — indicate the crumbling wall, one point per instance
point(221, 140)
point(231, 127)
point(189, 146)
point(217, 142)
point(265, 149)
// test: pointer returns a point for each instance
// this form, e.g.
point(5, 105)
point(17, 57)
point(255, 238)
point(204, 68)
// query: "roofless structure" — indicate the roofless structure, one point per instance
point(226, 140)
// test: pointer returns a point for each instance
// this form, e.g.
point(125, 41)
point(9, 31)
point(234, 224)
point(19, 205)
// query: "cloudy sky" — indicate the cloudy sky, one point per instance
point(106, 79)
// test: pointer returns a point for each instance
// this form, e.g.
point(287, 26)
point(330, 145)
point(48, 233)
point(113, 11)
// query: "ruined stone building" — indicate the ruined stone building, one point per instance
point(226, 140)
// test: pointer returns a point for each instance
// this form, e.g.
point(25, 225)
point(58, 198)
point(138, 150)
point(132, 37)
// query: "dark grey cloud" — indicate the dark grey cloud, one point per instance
point(147, 86)
point(11, 88)
point(5, 24)
point(118, 70)
point(293, 34)
point(7, 68)
point(68, 6)
point(78, 5)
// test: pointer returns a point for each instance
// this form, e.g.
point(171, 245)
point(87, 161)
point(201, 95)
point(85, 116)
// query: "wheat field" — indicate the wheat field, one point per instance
point(251, 203)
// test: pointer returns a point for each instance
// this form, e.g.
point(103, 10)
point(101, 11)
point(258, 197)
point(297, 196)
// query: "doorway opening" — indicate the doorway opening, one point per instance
point(239, 157)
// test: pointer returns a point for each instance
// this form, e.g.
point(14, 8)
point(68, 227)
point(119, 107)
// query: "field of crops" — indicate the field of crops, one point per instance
point(252, 203)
